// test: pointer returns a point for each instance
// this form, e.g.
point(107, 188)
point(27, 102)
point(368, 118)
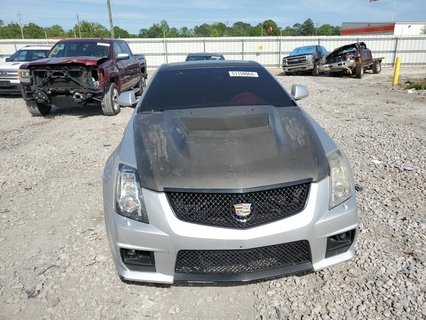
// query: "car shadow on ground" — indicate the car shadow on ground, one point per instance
point(76, 111)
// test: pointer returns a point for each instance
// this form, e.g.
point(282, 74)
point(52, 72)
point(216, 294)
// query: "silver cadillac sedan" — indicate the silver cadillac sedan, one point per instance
point(221, 176)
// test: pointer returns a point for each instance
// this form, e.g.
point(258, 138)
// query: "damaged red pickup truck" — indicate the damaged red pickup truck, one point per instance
point(82, 71)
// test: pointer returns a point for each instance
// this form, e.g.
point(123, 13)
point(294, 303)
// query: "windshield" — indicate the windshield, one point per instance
point(206, 57)
point(28, 55)
point(345, 49)
point(213, 87)
point(304, 50)
point(78, 49)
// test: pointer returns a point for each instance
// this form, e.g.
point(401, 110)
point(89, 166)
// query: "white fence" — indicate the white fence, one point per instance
point(266, 50)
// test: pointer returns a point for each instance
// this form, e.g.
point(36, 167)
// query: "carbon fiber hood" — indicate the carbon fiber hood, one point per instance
point(231, 148)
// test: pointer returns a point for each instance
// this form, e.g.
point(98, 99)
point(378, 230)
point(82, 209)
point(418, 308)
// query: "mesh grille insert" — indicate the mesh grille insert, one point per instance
point(239, 210)
point(225, 262)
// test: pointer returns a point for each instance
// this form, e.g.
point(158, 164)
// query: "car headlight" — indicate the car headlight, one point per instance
point(24, 75)
point(129, 198)
point(341, 183)
point(309, 58)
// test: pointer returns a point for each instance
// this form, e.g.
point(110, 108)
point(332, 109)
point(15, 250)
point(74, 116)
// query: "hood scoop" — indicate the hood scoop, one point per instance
point(226, 123)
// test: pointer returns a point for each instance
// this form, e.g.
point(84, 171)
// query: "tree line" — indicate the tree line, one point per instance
point(163, 30)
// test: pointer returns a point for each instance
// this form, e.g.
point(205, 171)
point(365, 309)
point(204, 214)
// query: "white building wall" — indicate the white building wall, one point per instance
point(409, 28)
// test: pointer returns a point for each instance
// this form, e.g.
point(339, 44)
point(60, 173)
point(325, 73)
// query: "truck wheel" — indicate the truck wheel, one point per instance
point(315, 71)
point(38, 109)
point(377, 67)
point(141, 85)
point(359, 70)
point(110, 106)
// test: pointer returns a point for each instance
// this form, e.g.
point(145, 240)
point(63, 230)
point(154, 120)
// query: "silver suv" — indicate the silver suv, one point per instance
point(9, 81)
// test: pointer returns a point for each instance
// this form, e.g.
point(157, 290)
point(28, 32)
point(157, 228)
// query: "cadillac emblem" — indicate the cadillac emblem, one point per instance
point(242, 210)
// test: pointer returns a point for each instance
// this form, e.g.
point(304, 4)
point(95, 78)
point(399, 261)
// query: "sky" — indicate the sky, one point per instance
point(132, 15)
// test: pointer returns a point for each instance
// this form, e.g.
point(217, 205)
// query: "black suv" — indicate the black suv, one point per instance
point(305, 59)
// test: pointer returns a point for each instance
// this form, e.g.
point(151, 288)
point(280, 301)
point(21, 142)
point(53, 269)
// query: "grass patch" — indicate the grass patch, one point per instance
point(416, 85)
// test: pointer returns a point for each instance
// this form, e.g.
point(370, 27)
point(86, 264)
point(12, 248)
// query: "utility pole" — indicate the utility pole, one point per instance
point(111, 25)
point(78, 24)
point(21, 25)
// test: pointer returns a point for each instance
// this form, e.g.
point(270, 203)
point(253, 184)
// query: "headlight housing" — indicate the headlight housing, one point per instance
point(129, 200)
point(24, 75)
point(309, 58)
point(341, 181)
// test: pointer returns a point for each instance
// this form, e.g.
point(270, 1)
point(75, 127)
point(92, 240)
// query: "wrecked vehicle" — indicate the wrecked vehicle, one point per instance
point(305, 59)
point(352, 59)
point(9, 80)
point(221, 176)
point(82, 71)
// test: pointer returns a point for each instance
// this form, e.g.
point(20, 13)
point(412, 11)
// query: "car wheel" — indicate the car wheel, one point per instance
point(359, 70)
point(315, 71)
point(38, 109)
point(377, 67)
point(110, 106)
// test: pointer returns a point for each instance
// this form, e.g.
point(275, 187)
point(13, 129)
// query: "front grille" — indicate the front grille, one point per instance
point(231, 262)
point(59, 76)
point(296, 60)
point(219, 209)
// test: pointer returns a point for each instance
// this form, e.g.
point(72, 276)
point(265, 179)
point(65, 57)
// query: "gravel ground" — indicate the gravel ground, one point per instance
point(56, 262)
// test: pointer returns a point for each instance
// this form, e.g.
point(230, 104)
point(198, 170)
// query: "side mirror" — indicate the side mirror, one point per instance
point(122, 56)
point(7, 59)
point(127, 99)
point(299, 91)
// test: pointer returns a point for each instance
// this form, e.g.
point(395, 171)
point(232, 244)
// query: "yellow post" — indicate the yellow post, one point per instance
point(396, 71)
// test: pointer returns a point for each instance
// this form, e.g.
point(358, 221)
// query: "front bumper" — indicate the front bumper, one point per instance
point(10, 86)
point(165, 236)
point(341, 66)
point(298, 68)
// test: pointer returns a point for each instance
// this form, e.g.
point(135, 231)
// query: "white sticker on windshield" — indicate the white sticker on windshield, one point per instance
point(104, 44)
point(248, 74)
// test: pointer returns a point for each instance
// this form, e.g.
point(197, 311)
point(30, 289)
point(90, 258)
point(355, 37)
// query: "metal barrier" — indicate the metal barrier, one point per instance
point(268, 51)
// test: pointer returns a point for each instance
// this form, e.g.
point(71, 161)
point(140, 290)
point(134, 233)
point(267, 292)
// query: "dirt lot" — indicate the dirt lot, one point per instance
point(55, 260)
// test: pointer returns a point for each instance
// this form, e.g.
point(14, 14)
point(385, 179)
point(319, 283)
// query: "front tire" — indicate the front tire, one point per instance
point(38, 109)
point(315, 72)
point(359, 70)
point(377, 67)
point(141, 85)
point(110, 106)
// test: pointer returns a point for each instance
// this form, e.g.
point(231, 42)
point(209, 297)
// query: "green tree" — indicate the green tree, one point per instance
point(185, 32)
point(33, 31)
point(121, 33)
point(240, 29)
point(91, 30)
point(327, 30)
point(11, 31)
point(217, 29)
point(202, 31)
point(55, 31)
point(270, 23)
point(289, 31)
point(307, 28)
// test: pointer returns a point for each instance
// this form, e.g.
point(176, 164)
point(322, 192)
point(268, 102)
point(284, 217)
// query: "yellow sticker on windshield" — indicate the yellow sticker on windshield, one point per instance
point(246, 74)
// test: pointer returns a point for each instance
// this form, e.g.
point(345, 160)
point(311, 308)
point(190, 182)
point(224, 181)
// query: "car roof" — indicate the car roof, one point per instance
point(85, 40)
point(202, 54)
point(37, 47)
point(208, 64)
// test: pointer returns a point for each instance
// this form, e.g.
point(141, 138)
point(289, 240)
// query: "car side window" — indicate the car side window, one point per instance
point(117, 49)
point(125, 48)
